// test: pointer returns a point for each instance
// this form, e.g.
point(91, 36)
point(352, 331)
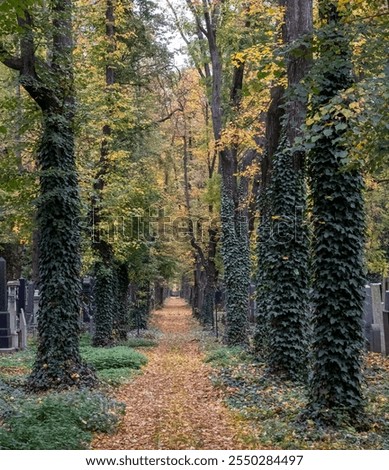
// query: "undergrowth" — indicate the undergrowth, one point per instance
point(113, 358)
point(115, 377)
point(274, 408)
point(58, 421)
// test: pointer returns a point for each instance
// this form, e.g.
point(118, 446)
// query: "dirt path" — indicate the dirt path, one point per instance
point(173, 404)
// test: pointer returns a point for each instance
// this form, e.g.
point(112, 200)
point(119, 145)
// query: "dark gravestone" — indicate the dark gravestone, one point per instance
point(368, 317)
point(386, 330)
point(30, 290)
point(21, 304)
point(376, 338)
point(30, 298)
point(218, 297)
point(3, 286)
point(5, 331)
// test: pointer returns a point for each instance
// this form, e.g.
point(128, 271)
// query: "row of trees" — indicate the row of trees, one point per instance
point(297, 149)
point(90, 120)
point(247, 163)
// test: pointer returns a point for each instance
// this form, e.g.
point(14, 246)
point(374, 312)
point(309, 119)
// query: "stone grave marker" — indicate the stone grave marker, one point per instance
point(5, 327)
point(385, 315)
point(30, 302)
point(378, 312)
point(368, 317)
point(376, 338)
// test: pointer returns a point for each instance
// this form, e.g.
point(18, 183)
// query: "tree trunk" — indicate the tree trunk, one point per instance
point(58, 363)
point(283, 261)
point(104, 292)
point(338, 241)
point(211, 275)
point(121, 319)
point(234, 238)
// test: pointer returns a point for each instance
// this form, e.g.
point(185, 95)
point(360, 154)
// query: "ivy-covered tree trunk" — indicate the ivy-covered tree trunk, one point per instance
point(236, 262)
point(140, 308)
point(159, 293)
point(286, 270)
point(196, 289)
point(338, 225)
point(121, 318)
point(208, 307)
point(58, 363)
point(264, 231)
point(261, 334)
point(285, 258)
point(104, 305)
point(105, 265)
point(234, 226)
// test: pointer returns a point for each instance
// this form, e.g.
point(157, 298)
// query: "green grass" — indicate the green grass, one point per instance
point(57, 421)
point(14, 368)
point(116, 377)
point(19, 359)
point(133, 342)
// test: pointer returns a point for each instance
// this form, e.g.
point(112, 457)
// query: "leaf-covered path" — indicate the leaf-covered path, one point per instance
point(173, 404)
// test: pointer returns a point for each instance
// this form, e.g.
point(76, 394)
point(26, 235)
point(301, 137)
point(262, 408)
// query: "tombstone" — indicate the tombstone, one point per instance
point(376, 338)
point(36, 301)
point(13, 296)
point(22, 331)
point(13, 287)
point(5, 330)
point(21, 299)
point(368, 317)
point(29, 311)
point(378, 312)
point(87, 299)
point(385, 314)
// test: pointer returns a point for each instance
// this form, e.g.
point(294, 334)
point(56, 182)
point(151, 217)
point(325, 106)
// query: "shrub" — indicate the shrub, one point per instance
point(113, 358)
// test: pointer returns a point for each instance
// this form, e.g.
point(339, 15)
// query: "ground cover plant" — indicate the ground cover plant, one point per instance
point(274, 406)
point(65, 420)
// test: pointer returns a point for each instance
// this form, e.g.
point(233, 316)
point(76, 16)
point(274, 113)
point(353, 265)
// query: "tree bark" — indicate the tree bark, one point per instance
point(104, 292)
point(235, 250)
point(58, 363)
point(338, 241)
point(283, 240)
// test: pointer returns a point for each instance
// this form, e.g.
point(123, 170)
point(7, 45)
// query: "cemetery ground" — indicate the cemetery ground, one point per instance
point(179, 388)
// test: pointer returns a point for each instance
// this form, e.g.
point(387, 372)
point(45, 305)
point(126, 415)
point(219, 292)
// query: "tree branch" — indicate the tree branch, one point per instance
point(166, 118)
point(14, 63)
point(196, 17)
point(186, 40)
